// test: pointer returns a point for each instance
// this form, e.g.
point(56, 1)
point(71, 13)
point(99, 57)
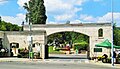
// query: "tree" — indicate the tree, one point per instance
point(3, 28)
point(0, 19)
point(116, 35)
point(22, 26)
point(36, 12)
point(68, 22)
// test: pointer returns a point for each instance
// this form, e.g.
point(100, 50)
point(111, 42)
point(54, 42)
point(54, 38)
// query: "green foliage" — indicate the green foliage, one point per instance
point(107, 60)
point(5, 26)
point(51, 51)
point(23, 53)
point(0, 19)
point(116, 35)
point(81, 46)
point(36, 12)
point(70, 38)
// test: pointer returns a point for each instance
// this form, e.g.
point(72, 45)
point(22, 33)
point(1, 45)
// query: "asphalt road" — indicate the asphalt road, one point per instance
point(27, 65)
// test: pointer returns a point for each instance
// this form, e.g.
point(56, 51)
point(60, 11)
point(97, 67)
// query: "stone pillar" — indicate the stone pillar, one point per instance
point(90, 48)
point(43, 51)
point(43, 46)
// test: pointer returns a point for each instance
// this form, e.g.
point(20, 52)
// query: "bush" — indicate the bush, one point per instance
point(23, 53)
point(19, 56)
point(99, 58)
point(104, 60)
point(57, 49)
point(107, 60)
point(119, 55)
point(118, 60)
point(79, 46)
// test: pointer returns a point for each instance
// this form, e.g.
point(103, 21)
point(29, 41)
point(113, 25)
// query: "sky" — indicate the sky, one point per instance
point(61, 11)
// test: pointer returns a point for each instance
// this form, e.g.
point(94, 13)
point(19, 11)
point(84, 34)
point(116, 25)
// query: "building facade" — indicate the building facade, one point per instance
point(97, 33)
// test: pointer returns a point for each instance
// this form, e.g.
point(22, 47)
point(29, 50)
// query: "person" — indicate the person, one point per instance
point(105, 56)
point(114, 56)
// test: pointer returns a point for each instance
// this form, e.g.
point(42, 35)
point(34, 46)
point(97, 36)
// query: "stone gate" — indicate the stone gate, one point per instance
point(97, 33)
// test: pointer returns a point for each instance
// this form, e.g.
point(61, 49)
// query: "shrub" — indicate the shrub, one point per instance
point(118, 60)
point(107, 60)
point(99, 58)
point(19, 56)
point(23, 53)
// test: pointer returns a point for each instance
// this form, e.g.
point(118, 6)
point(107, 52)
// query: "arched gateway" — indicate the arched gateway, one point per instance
point(13, 40)
point(97, 33)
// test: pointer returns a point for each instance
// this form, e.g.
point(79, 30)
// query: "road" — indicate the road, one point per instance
point(44, 65)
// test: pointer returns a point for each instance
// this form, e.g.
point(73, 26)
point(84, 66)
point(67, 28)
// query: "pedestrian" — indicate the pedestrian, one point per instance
point(114, 56)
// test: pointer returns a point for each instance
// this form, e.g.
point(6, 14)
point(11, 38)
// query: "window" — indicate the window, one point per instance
point(1, 46)
point(33, 45)
point(97, 49)
point(100, 33)
point(14, 45)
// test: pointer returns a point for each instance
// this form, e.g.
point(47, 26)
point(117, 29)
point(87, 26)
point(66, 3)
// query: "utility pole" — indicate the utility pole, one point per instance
point(112, 22)
point(30, 51)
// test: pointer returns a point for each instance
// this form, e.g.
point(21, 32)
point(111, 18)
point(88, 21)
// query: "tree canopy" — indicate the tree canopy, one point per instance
point(6, 26)
point(35, 12)
point(116, 36)
point(69, 38)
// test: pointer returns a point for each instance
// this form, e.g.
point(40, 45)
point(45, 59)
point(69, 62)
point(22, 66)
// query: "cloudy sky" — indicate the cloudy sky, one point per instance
point(61, 11)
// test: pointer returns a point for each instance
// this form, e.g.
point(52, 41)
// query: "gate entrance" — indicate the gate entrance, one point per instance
point(68, 45)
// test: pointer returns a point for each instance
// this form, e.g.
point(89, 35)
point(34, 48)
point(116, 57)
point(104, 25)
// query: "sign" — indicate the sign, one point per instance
point(29, 38)
point(97, 49)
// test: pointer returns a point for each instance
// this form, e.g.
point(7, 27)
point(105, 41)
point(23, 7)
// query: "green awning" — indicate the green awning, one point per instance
point(106, 44)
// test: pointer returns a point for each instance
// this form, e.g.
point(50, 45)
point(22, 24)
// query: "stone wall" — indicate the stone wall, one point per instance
point(21, 38)
point(40, 33)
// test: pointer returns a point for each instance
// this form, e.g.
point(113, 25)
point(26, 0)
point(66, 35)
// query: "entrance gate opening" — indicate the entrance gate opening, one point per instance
point(68, 45)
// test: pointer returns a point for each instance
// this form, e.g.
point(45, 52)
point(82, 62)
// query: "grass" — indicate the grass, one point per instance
point(51, 51)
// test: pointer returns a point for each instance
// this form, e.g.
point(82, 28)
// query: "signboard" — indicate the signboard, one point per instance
point(29, 38)
point(97, 49)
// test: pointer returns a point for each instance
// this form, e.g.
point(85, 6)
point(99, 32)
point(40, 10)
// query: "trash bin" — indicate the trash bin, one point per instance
point(76, 51)
point(31, 54)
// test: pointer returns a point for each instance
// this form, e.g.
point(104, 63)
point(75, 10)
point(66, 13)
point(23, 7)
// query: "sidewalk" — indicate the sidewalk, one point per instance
point(104, 64)
point(13, 59)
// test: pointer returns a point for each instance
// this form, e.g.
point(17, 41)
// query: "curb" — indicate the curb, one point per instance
point(105, 64)
point(47, 60)
point(66, 61)
point(59, 61)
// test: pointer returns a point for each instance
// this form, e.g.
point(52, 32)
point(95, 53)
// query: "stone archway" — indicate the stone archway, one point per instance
point(90, 29)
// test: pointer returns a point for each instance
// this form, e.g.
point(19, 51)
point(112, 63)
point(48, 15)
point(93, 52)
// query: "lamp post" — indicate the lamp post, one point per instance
point(112, 22)
point(30, 51)
point(30, 40)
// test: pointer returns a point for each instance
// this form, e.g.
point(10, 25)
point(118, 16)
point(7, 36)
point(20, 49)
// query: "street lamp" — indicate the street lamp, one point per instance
point(30, 40)
point(112, 22)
